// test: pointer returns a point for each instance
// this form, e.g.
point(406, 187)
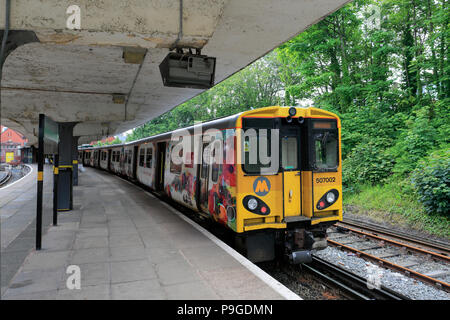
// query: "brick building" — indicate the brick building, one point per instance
point(12, 143)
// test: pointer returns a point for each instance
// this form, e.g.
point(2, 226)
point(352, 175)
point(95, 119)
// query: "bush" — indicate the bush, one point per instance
point(431, 180)
point(414, 144)
point(367, 163)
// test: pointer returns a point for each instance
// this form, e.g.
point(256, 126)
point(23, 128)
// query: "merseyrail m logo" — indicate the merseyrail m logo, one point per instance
point(261, 186)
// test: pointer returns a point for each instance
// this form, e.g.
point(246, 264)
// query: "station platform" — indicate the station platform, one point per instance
point(130, 245)
point(18, 220)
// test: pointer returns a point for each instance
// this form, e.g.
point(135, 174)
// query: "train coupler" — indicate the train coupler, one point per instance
point(301, 256)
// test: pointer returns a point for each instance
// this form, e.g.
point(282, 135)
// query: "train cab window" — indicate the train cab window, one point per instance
point(141, 157)
point(289, 153)
point(326, 146)
point(149, 156)
point(257, 135)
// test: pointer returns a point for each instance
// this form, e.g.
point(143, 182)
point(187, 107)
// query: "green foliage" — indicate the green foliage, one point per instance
point(107, 143)
point(414, 143)
point(367, 163)
point(432, 182)
point(389, 203)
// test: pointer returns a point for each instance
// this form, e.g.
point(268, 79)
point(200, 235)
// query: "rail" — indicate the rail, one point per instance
point(351, 283)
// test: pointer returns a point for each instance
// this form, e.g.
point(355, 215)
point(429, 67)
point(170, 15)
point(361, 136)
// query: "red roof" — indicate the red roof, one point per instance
point(9, 136)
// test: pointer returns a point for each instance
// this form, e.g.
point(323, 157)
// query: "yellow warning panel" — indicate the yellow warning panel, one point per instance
point(9, 157)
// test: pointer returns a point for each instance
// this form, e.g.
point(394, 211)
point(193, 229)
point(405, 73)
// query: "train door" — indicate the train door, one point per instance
point(290, 167)
point(204, 178)
point(160, 166)
point(135, 160)
point(109, 159)
point(122, 160)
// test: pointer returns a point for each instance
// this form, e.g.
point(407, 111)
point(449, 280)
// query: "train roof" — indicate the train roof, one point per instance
point(227, 122)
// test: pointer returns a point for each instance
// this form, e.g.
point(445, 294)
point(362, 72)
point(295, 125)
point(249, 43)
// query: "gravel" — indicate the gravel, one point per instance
point(377, 275)
point(307, 286)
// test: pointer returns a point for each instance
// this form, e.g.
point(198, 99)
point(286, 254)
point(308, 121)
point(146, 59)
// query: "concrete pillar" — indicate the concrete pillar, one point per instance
point(65, 149)
point(75, 159)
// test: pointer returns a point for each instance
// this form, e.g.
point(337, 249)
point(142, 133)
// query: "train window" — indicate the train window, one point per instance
point(129, 156)
point(204, 170)
point(289, 153)
point(326, 151)
point(175, 168)
point(205, 159)
point(148, 159)
point(215, 168)
point(254, 139)
point(141, 157)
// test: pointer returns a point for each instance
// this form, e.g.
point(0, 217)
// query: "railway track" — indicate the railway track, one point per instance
point(402, 253)
point(428, 246)
point(351, 284)
point(4, 178)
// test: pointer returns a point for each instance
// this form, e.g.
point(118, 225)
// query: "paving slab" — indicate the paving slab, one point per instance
point(126, 244)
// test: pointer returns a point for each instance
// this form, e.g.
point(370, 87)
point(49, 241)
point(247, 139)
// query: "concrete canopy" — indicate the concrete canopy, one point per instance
point(73, 75)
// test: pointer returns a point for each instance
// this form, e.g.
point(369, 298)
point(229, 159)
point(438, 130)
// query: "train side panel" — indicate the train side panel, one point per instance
point(180, 179)
point(145, 171)
point(220, 180)
point(104, 159)
point(115, 160)
point(128, 160)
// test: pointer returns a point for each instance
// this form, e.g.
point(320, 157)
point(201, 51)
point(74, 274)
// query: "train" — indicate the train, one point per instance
point(272, 176)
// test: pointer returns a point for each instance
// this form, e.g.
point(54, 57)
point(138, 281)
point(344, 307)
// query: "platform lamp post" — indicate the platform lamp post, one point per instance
point(55, 188)
point(48, 144)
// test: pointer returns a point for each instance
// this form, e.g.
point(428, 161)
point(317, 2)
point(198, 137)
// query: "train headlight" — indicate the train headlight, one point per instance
point(331, 197)
point(328, 199)
point(252, 204)
point(292, 111)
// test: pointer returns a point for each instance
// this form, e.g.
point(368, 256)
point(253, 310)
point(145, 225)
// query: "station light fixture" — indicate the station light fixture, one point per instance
point(188, 70)
point(118, 98)
point(134, 55)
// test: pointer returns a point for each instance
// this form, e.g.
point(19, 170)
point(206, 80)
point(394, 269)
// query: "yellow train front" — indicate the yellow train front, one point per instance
point(284, 207)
